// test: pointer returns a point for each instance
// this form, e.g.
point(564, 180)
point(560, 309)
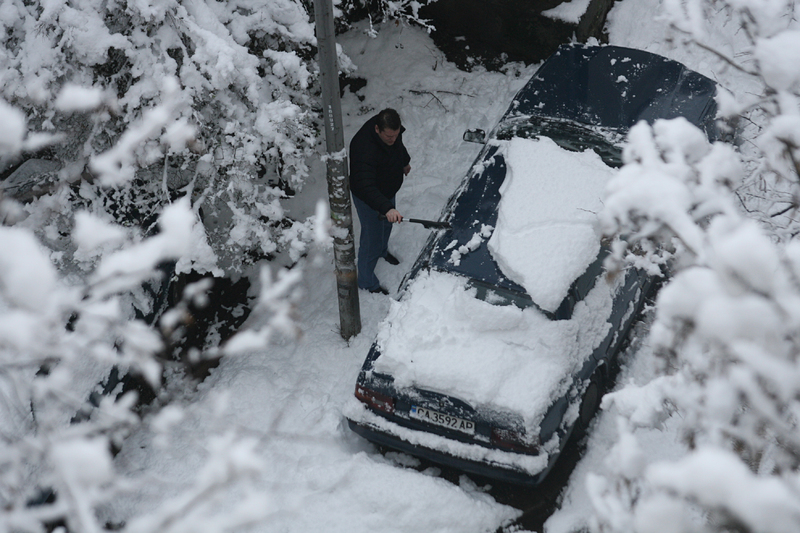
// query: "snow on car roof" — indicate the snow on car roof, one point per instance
point(545, 235)
point(441, 338)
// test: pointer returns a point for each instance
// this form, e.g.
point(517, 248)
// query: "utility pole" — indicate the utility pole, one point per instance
point(338, 179)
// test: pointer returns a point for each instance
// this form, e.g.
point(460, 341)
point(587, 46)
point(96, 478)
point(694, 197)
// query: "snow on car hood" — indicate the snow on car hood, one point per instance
point(441, 338)
point(546, 235)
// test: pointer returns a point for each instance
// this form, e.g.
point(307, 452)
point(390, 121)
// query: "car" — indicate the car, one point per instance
point(508, 326)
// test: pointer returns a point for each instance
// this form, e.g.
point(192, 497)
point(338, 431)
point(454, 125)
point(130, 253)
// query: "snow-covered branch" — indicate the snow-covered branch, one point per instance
point(727, 321)
point(767, 54)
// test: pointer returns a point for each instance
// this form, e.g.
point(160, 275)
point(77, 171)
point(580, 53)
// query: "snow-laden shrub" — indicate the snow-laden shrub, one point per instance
point(64, 339)
point(726, 333)
point(758, 41)
point(58, 344)
point(381, 11)
point(236, 77)
point(156, 117)
point(726, 323)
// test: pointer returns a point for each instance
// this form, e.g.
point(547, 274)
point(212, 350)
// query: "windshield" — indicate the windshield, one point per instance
point(570, 135)
point(499, 295)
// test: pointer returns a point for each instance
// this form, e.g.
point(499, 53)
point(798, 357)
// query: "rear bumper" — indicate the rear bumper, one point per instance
point(494, 464)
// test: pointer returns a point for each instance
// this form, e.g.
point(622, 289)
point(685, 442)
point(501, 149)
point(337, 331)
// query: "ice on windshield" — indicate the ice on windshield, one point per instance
point(546, 236)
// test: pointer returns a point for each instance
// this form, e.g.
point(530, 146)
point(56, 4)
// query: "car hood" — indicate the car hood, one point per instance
point(441, 338)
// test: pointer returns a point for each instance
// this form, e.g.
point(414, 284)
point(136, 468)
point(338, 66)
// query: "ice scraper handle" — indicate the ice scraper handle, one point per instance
point(427, 224)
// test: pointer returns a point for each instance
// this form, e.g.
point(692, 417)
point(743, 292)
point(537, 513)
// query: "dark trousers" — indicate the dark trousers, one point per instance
point(373, 243)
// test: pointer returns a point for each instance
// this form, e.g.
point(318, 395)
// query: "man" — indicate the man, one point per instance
point(378, 163)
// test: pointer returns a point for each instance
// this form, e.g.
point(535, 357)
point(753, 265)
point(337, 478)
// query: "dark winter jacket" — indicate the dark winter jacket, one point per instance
point(376, 169)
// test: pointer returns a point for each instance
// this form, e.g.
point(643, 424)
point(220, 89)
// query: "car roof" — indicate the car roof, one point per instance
point(616, 87)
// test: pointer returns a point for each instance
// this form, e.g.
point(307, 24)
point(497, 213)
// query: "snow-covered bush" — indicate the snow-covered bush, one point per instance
point(65, 339)
point(167, 132)
point(238, 76)
point(759, 42)
point(382, 10)
point(58, 343)
point(726, 324)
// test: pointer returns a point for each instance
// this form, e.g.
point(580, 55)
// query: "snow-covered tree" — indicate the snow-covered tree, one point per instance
point(726, 326)
point(65, 339)
point(64, 342)
point(382, 10)
point(242, 80)
point(757, 40)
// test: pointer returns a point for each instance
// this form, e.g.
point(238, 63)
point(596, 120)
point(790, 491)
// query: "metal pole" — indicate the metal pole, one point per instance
point(338, 179)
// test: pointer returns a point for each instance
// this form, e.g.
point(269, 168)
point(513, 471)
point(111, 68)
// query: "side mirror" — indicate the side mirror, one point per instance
point(475, 136)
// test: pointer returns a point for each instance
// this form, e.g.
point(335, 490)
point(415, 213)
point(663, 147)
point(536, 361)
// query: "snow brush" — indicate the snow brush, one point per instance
point(429, 224)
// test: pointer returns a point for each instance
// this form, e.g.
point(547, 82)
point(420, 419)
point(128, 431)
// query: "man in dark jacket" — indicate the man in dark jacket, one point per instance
point(378, 163)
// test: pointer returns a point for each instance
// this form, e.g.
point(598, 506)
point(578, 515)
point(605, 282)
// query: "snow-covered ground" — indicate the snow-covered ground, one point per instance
point(289, 397)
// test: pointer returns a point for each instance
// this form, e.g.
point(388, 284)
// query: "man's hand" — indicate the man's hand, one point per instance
point(407, 169)
point(393, 215)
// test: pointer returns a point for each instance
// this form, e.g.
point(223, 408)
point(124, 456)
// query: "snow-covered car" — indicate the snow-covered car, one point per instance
point(508, 325)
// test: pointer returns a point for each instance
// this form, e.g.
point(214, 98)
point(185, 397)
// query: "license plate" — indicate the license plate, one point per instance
point(441, 419)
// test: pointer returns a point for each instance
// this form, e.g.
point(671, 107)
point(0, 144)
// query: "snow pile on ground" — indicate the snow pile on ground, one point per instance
point(546, 234)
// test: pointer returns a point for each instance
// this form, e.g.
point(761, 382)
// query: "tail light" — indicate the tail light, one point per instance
point(376, 400)
point(514, 441)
